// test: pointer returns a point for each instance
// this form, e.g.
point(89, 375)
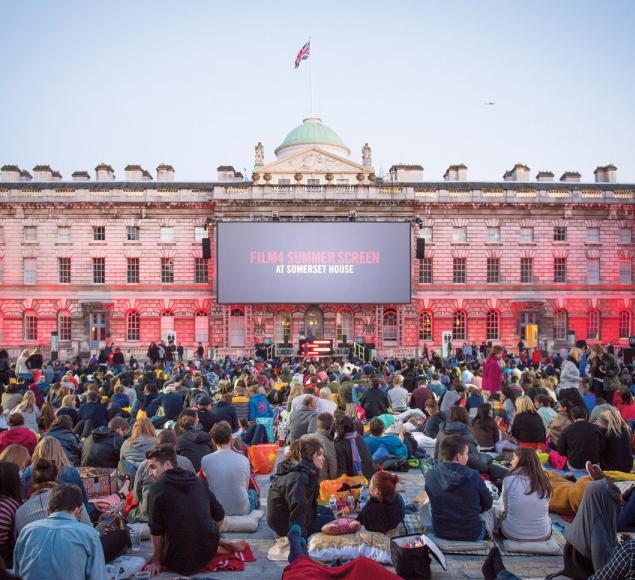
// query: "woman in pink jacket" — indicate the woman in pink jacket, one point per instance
point(492, 372)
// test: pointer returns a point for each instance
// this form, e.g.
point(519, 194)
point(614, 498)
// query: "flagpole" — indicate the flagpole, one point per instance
point(311, 77)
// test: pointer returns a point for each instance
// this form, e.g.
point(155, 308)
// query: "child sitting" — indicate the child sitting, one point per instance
point(385, 508)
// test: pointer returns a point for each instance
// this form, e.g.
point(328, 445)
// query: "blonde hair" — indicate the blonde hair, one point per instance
point(143, 427)
point(16, 454)
point(525, 405)
point(27, 404)
point(25, 352)
point(51, 449)
point(614, 421)
point(296, 390)
point(68, 401)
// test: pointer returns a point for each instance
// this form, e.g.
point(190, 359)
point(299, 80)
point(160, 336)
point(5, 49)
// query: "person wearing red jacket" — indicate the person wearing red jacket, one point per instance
point(492, 372)
point(18, 434)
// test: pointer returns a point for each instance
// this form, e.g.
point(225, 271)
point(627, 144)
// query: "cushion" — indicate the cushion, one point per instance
point(247, 523)
point(341, 526)
point(350, 546)
point(550, 547)
point(459, 546)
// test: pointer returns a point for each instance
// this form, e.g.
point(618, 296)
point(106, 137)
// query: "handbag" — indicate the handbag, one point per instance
point(411, 556)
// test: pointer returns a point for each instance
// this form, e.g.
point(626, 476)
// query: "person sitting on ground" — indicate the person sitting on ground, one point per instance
point(543, 404)
point(475, 400)
point(62, 430)
point(92, 410)
point(227, 473)
point(224, 410)
point(60, 546)
point(581, 441)
point(240, 401)
point(192, 441)
point(259, 407)
point(392, 444)
point(398, 396)
point(18, 455)
point(561, 421)
point(353, 457)
point(183, 545)
point(143, 478)
point(11, 495)
point(526, 493)
point(459, 500)
point(206, 417)
point(527, 428)
point(294, 490)
point(17, 433)
point(626, 406)
point(484, 428)
point(420, 397)
point(68, 408)
point(452, 396)
point(385, 508)
point(119, 400)
point(133, 451)
point(103, 447)
point(323, 433)
point(434, 420)
point(29, 410)
point(374, 401)
point(303, 420)
point(617, 455)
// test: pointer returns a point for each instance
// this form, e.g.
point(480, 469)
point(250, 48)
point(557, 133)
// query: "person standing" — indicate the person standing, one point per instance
point(492, 372)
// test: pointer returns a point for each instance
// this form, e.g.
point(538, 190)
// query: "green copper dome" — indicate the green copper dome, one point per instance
point(312, 131)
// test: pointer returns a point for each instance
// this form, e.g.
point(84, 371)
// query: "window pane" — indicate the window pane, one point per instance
point(459, 234)
point(64, 270)
point(64, 327)
point(30, 327)
point(560, 325)
point(99, 270)
point(626, 271)
point(593, 235)
point(593, 328)
point(560, 234)
point(99, 233)
point(200, 271)
point(30, 270)
point(625, 324)
point(459, 275)
point(527, 235)
point(560, 270)
point(30, 233)
point(593, 271)
point(493, 270)
point(494, 234)
point(526, 270)
point(425, 326)
point(459, 326)
point(132, 274)
point(167, 270)
point(201, 328)
point(167, 235)
point(493, 325)
point(625, 235)
point(133, 233)
point(63, 234)
point(133, 326)
point(425, 271)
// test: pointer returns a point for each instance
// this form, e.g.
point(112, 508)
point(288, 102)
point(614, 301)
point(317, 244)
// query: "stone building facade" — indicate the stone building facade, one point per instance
point(121, 260)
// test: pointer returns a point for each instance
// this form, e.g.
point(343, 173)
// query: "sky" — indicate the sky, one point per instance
point(198, 83)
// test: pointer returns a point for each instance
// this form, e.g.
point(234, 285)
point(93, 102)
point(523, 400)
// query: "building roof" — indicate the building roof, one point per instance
point(10, 168)
point(42, 168)
point(80, 174)
point(544, 174)
point(104, 166)
point(165, 166)
point(406, 166)
point(133, 168)
point(312, 132)
point(226, 168)
point(602, 168)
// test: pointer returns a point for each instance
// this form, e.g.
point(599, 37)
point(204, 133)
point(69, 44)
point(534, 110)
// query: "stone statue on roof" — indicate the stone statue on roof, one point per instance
point(366, 156)
point(260, 154)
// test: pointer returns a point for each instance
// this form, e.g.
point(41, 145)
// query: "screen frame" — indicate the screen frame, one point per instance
point(337, 223)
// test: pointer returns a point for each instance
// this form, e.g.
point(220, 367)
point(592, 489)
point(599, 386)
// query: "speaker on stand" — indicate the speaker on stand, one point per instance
point(207, 249)
point(421, 248)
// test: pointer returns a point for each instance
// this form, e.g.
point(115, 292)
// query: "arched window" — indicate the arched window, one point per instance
point(237, 328)
point(64, 325)
point(425, 326)
point(593, 327)
point(344, 325)
point(625, 323)
point(561, 325)
point(201, 327)
point(282, 327)
point(133, 326)
point(313, 322)
point(390, 327)
point(167, 325)
point(493, 325)
point(459, 325)
point(30, 325)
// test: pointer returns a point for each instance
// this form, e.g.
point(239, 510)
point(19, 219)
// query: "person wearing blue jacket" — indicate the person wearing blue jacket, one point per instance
point(392, 444)
point(459, 500)
point(259, 407)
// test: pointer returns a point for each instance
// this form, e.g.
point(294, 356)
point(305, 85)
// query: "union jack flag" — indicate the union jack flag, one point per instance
point(304, 53)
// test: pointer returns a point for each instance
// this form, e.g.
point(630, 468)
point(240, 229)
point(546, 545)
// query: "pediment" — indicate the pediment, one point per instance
point(313, 161)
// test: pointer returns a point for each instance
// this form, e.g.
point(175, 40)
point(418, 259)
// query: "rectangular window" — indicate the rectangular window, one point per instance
point(64, 327)
point(425, 271)
point(526, 270)
point(560, 234)
point(313, 182)
point(625, 235)
point(30, 270)
point(64, 270)
point(493, 270)
point(200, 271)
point(593, 235)
point(494, 234)
point(63, 234)
point(626, 272)
point(132, 271)
point(30, 233)
point(459, 235)
point(199, 234)
point(99, 233)
point(99, 270)
point(133, 233)
point(30, 327)
point(459, 271)
point(201, 328)
point(167, 270)
point(527, 235)
point(284, 182)
point(1, 234)
point(167, 235)
point(560, 270)
point(426, 234)
point(593, 271)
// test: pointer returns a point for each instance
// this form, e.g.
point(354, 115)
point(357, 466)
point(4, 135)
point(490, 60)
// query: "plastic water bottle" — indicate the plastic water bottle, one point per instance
point(363, 497)
point(333, 503)
point(350, 502)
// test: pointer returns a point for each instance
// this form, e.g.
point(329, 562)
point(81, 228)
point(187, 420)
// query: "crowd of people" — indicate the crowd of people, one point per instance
point(177, 434)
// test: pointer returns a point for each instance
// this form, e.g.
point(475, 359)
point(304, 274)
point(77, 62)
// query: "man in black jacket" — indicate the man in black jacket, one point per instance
point(581, 441)
point(186, 543)
point(225, 411)
point(102, 448)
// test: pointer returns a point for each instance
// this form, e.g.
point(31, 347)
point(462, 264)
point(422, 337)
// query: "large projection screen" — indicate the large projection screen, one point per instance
point(313, 262)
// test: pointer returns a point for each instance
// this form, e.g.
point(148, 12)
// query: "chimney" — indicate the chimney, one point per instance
point(10, 173)
point(606, 174)
point(520, 172)
point(42, 173)
point(570, 177)
point(165, 172)
point(507, 176)
point(226, 173)
point(145, 175)
point(544, 176)
point(456, 173)
point(25, 175)
point(406, 173)
point(104, 172)
point(133, 172)
point(56, 176)
point(81, 176)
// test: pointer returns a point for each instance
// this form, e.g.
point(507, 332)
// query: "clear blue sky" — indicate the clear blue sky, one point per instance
point(198, 83)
